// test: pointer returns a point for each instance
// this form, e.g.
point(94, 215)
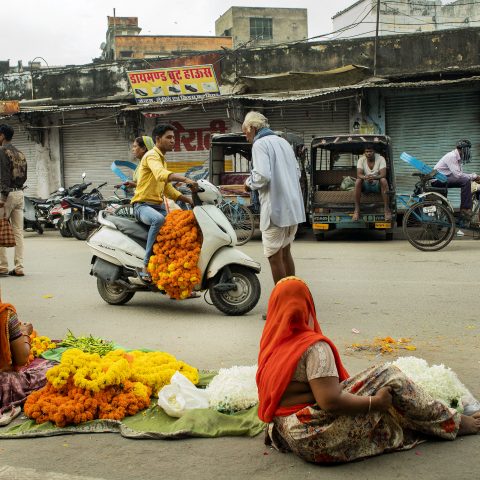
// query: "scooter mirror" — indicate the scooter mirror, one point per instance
point(61, 189)
point(84, 175)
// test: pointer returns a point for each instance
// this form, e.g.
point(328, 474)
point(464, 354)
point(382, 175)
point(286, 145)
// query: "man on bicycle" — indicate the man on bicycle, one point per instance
point(451, 165)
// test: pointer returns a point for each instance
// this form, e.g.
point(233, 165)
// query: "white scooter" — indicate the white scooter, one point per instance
point(230, 276)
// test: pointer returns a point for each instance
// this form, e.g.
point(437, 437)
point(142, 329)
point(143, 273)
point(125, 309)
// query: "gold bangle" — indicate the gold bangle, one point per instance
point(369, 404)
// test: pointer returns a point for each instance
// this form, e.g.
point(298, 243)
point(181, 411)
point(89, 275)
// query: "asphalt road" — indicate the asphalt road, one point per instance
point(358, 282)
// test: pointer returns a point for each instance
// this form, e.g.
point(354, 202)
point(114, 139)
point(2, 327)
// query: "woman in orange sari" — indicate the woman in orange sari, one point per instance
point(316, 410)
point(16, 383)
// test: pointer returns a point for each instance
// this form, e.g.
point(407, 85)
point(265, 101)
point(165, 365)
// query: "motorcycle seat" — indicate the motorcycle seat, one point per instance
point(38, 201)
point(131, 228)
point(87, 202)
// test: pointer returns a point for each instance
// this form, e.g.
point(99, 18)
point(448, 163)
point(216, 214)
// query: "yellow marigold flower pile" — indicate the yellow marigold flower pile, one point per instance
point(173, 266)
point(40, 344)
point(156, 369)
point(86, 386)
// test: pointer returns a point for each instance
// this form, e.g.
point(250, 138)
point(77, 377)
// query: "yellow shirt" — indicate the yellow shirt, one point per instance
point(152, 182)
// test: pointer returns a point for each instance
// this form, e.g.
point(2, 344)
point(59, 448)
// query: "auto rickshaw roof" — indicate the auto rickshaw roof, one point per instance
point(240, 138)
point(229, 138)
point(354, 143)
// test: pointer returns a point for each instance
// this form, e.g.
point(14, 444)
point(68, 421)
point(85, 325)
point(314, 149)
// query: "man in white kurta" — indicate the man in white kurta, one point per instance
point(275, 175)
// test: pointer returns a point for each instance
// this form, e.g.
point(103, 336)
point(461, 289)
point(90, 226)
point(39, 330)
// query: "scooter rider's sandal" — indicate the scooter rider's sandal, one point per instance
point(144, 276)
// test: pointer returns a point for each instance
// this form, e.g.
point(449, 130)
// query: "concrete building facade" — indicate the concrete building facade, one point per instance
point(262, 26)
point(404, 16)
point(124, 42)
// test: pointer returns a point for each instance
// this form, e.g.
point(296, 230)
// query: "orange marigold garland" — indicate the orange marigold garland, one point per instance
point(73, 405)
point(87, 386)
point(173, 266)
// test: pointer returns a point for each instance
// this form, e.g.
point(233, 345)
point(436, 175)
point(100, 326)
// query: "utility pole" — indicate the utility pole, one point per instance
point(114, 36)
point(376, 40)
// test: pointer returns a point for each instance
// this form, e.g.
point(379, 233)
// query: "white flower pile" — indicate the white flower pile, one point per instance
point(233, 389)
point(439, 381)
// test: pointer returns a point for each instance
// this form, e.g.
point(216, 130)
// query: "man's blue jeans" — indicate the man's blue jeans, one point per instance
point(153, 215)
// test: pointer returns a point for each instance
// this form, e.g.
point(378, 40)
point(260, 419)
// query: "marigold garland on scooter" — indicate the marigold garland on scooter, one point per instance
point(174, 264)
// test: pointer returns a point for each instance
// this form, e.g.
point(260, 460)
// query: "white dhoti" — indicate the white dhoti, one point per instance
point(275, 238)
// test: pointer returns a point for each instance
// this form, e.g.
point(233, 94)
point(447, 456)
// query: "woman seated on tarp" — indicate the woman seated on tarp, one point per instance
point(16, 383)
point(315, 410)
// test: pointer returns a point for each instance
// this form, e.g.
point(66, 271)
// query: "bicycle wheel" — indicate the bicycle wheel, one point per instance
point(241, 219)
point(429, 225)
point(125, 211)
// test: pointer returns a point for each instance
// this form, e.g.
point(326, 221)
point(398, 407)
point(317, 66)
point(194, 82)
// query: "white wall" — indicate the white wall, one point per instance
point(407, 16)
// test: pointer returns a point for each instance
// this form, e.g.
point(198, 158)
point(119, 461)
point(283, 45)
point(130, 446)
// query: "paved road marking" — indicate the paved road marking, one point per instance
point(8, 472)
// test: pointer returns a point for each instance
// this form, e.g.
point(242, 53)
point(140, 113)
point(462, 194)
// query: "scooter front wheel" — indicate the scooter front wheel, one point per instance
point(242, 297)
point(113, 293)
point(64, 229)
point(79, 227)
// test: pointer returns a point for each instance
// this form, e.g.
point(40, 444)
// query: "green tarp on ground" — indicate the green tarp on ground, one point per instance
point(153, 423)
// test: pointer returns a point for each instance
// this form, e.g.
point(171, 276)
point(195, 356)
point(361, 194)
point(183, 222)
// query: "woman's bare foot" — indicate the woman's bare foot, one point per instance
point(469, 425)
point(355, 216)
point(388, 215)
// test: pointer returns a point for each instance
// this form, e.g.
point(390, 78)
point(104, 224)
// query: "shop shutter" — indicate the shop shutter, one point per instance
point(22, 141)
point(309, 120)
point(194, 128)
point(428, 126)
point(91, 148)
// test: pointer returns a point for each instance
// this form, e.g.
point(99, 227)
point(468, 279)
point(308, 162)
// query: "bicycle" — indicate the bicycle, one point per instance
point(241, 218)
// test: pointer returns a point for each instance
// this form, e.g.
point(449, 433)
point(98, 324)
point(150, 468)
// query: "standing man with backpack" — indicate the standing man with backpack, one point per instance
point(13, 174)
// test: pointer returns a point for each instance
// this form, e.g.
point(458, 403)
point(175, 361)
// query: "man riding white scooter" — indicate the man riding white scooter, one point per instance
point(154, 182)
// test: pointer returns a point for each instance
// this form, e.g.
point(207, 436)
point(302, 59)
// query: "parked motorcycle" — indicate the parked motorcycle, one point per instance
point(229, 275)
point(30, 219)
point(81, 213)
point(61, 217)
point(43, 207)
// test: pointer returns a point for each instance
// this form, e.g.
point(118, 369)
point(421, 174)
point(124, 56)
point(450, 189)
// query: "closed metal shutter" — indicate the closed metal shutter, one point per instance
point(427, 127)
point(194, 129)
point(22, 141)
point(91, 148)
point(309, 121)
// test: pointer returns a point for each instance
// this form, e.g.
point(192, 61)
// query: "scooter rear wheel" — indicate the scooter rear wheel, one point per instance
point(242, 298)
point(112, 293)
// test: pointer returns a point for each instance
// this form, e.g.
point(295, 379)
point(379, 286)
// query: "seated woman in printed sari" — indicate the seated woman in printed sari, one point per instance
point(317, 411)
point(16, 383)
point(14, 339)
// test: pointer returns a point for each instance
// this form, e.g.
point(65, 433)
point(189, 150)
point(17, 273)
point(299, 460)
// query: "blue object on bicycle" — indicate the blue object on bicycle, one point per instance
point(423, 167)
point(122, 163)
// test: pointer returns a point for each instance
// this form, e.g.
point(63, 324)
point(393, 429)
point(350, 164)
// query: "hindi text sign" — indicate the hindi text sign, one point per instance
point(173, 84)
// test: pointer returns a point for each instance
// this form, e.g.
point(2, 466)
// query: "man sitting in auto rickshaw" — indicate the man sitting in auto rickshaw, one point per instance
point(371, 178)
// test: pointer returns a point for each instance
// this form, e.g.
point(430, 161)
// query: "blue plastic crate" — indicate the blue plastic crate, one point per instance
point(423, 167)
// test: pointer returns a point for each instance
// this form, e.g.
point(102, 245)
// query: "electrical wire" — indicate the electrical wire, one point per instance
point(399, 2)
point(73, 124)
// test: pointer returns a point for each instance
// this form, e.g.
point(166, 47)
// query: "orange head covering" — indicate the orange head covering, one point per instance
point(291, 328)
point(5, 353)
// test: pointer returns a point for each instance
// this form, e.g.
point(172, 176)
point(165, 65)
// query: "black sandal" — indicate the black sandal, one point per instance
point(14, 273)
point(144, 276)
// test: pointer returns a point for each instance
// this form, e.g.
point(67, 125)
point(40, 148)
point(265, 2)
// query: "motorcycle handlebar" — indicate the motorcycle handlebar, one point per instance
point(102, 185)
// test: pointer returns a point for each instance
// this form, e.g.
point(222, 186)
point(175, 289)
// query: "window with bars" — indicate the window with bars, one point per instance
point(261, 28)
